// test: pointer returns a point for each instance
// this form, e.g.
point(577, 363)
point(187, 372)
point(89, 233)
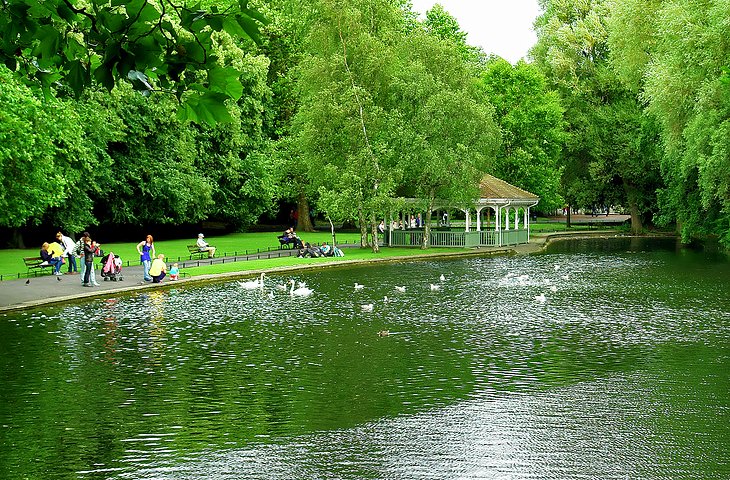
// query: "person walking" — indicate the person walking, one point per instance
point(146, 250)
point(68, 251)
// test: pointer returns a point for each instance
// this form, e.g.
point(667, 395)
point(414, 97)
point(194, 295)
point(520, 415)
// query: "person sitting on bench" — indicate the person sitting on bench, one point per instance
point(204, 246)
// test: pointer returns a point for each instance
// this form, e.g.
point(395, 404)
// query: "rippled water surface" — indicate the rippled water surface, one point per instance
point(623, 372)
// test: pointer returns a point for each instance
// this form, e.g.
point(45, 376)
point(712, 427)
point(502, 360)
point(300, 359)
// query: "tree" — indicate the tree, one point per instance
point(165, 46)
point(675, 54)
point(531, 121)
point(572, 51)
point(448, 135)
point(443, 25)
point(43, 156)
point(343, 129)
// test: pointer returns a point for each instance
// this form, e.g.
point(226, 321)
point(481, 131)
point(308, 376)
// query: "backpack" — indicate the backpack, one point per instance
point(79, 248)
point(338, 252)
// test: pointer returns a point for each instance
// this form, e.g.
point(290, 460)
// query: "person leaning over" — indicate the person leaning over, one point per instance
point(204, 246)
point(158, 270)
point(68, 251)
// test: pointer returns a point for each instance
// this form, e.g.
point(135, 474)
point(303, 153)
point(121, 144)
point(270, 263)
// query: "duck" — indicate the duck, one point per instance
point(367, 307)
point(435, 287)
point(400, 289)
point(383, 333)
point(253, 284)
point(553, 288)
point(300, 292)
point(540, 298)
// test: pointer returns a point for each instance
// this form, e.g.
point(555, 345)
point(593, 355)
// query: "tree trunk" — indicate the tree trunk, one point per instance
point(15, 239)
point(332, 229)
point(567, 217)
point(374, 227)
point(636, 224)
point(304, 224)
point(427, 222)
point(363, 228)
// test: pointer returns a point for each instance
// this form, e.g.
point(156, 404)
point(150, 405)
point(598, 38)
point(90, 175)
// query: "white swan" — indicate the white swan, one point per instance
point(400, 289)
point(553, 288)
point(300, 292)
point(442, 278)
point(435, 287)
point(281, 287)
point(367, 307)
point(358, 286)
point(540, 298)
point(253, 284)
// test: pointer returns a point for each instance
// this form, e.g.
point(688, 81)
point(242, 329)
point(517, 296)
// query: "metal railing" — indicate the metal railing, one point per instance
point(485, 238)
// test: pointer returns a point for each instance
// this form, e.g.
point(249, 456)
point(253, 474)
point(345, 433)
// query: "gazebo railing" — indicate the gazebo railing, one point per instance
point(486, 238)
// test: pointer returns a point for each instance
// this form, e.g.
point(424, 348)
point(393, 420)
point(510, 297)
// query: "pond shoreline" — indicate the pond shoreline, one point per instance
point(17, 295)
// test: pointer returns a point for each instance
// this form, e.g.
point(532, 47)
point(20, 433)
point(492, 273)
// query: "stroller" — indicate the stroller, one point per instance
point(111, 267)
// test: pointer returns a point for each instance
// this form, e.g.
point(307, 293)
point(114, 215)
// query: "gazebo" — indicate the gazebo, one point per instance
point(497, 214)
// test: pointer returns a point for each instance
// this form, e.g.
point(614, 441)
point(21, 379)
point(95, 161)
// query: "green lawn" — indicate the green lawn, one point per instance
point(11, 260)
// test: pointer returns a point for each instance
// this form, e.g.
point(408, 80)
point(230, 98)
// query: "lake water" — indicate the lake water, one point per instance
point(623, 372)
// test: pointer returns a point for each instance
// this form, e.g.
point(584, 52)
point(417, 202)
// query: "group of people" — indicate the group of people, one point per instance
point(65, 250)
point(155, 270)
point(324, 250)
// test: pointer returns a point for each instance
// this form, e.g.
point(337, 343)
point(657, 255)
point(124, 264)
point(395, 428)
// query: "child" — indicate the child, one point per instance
point(174, 271)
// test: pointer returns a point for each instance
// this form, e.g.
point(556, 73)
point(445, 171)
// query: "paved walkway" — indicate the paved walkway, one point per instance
point(50, 289)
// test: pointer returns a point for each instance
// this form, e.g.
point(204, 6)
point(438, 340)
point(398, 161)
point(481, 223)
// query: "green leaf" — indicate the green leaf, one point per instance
point(209, 108)
point(225, 80)
point(50, 41)
point(77, 77)
point(104, 76)
point(250, 27)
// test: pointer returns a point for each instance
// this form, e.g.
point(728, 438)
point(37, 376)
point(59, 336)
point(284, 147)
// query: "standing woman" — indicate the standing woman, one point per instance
point(89, 251)
point(146, 251)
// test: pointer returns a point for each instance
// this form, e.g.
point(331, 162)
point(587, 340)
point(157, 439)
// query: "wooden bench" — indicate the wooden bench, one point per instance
point(285, 242)
point(194, 251)
point(35, 264)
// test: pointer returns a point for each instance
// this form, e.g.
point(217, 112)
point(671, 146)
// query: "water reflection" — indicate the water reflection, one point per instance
point(619, 373)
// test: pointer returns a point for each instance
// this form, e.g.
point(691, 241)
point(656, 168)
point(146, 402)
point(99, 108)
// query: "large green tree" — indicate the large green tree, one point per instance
point(602, 164)
point(530, 118)
point(676, 55)
point(45, 158)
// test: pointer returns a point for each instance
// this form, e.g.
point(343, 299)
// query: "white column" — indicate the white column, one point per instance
point(506, 218)
point(468, 219)
point(517, 218)
point(479, 219)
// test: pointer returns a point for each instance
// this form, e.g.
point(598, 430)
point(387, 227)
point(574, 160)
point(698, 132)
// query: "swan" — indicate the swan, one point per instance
point(300, 292)
point(253, 284)
point(435, 287)
point(557, 267)
point(400, 289)
point(385, 299)
point(281, 287)
point(367, 307)
point(442, 278)
point(540, 298)
point(358, 286)
point(566, 277)
point(553, 288)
